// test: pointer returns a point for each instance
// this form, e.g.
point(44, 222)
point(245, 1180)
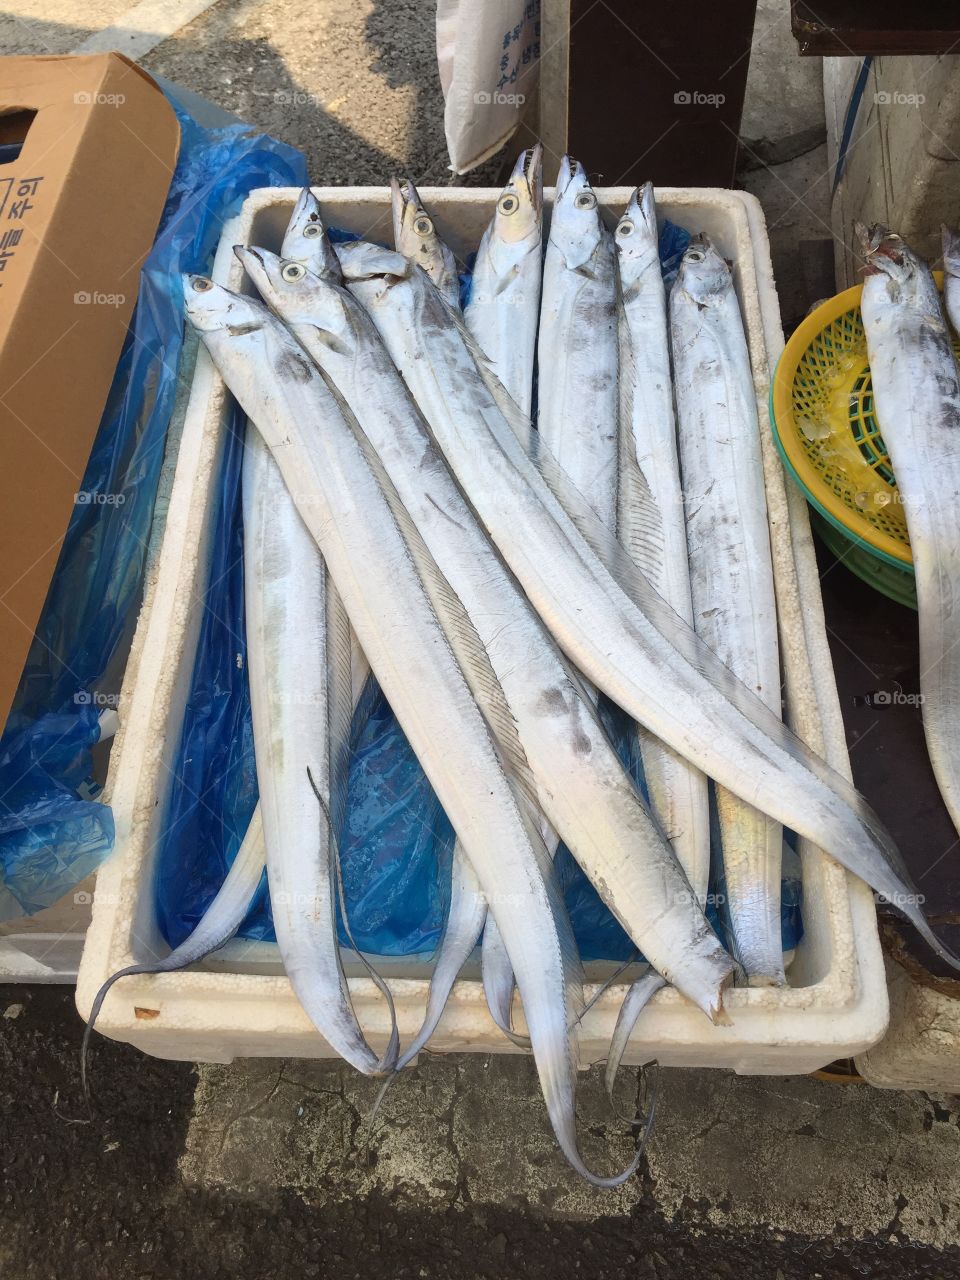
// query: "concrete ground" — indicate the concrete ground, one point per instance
point(264, 1167)
point(270, 1168)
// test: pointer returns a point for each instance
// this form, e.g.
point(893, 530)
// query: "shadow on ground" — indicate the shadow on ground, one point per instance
point(108, 1198)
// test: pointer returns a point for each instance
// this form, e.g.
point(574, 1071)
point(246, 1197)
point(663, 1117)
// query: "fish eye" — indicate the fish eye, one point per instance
point(292, 272)
point(695, 255)
point(312, 230)
point(625, 227)
point(586, 200)
point(508, 203)
point(202, 284)
point(422, 225)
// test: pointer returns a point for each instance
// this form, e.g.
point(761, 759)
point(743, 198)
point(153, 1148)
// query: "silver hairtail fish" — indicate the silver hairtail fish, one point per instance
point(916, 393)
point(396, 597)
point(601, 609)
point(503, 309)
point(731, 568)
point(415, 236)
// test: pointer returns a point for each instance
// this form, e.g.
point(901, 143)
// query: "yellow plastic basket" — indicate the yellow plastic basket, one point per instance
point(821, 407)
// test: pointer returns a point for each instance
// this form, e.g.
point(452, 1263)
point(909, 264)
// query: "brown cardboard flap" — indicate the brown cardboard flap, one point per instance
point(79, 209)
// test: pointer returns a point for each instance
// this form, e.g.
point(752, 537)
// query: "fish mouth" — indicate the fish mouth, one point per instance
point(528, 175)
point(414, 231)
point(571, 171)
point(697, 249)
point(242, 251)
point(305, 211)
point(399, 197)
point(641, 207)
point(407, 207)
point(879, 241)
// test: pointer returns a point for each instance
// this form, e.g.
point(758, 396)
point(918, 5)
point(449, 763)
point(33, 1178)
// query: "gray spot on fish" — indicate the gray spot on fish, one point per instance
point(293, 367)
point(551, 702)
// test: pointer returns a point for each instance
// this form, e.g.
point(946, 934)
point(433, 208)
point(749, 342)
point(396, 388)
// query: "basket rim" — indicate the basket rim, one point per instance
point(794, 457)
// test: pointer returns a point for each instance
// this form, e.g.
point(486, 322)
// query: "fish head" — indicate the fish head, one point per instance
point(306, 241)
point(895, 274)
point(292, 291)
point(415, 236)
point(884, 252)
point(519, 213)
point(576, 228)
point(636, 234)
point(704, 274)
point(213, 309)
point(951, 251)
point(363, 260)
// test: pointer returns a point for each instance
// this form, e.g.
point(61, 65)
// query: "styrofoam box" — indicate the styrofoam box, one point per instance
point(240, 1003)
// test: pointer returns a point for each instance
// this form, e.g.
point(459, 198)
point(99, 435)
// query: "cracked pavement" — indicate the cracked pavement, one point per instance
point(272, 1167)
point(791, 1155)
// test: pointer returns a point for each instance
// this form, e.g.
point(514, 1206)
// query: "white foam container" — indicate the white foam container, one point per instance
point(239, 1003)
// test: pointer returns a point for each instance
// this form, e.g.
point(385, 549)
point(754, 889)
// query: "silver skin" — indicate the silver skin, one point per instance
point(649, 472)
point(917, 399)
point(466, 917)
point(503, 310)
point(307, 243)
point(951, 275)
point(298, 656)
point(305, 240)
point(503, 314)
point(731, 568)
point(580, 784)
point(306, 611)
point(394, 593)
point(577, 354)
point(415, 236)
point(600, 608)
point(578, 271)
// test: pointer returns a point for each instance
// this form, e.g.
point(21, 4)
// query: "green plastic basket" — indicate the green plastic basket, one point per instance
point(893, 582)
point(825, 427)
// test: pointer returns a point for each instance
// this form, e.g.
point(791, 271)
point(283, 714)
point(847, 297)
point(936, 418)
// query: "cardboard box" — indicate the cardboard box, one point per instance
point(87, 150)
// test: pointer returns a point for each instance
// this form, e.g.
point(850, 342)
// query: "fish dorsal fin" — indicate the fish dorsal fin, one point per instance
point(487, 691)
point(637, 586)
point(457, 626)
point(647, 541)
point(639, 518)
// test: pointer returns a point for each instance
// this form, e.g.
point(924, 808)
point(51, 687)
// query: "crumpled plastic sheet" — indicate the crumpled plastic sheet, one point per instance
point(52, 830)
point(396, 849)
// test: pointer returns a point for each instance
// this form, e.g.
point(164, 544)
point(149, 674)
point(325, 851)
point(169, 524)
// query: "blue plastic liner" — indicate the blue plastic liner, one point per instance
point(396, 848)
point(52, 832)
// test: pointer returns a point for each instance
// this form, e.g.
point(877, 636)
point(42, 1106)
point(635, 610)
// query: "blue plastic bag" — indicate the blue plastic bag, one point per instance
point(396, 848)
point(52, 833)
